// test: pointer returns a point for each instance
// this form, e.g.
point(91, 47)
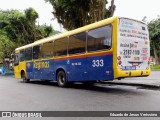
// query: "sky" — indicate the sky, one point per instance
point(135, 9)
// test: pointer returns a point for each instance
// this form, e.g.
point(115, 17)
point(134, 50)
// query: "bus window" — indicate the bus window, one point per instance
point(16, 59)
point(60, 47)
point(100, 38)
point(47, 50)
point(22, 55)
point(36, 52)
point(28, 53)
point(77, 43)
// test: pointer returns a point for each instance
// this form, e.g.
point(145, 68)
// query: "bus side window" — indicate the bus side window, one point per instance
point(47, 50)
point(22, 55)
point(60, 47)
point(16, 59)
point(77, 43)
point(36, 52)
point(99, 38)
point(28, 53)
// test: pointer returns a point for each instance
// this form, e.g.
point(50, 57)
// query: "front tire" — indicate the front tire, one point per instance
point(24, 78)
point(61, 79)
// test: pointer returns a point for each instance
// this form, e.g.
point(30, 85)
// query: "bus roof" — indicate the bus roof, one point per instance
point(68, 33)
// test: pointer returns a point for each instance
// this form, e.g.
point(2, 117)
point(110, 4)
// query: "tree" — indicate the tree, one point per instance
point(11, 22)
point(6, 47)
point(45, 31)
point(154, 30)
point(31, 16)
point(19, 28)
point(77, 13)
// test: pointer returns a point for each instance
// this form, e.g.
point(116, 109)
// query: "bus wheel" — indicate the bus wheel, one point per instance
point(25, 80)
point(61, 79)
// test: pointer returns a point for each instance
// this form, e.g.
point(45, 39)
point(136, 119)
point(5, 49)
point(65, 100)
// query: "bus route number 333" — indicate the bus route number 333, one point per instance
point(98, 63)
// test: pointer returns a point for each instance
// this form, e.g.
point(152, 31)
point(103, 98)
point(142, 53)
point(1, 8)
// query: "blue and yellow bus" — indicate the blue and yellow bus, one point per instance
point(110, 49)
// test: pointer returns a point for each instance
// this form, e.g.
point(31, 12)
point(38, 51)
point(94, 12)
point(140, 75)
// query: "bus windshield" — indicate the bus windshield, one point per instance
point(133, 49)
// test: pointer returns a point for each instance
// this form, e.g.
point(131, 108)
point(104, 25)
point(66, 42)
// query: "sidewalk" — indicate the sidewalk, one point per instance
point(151, 81)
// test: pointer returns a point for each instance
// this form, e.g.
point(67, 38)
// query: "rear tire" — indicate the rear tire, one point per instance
point(24, 78)
point(61, 79)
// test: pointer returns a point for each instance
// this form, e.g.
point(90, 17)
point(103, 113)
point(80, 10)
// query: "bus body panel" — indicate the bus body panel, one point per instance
point(91, 67)
point(29, 70)
point(41, 69)
point(19, 68)
point(17, 72)
point(77, 69)
point(132, 47)
point(87, 68)
point(100, 67)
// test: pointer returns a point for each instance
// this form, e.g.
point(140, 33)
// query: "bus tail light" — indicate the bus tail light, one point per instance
point(119, 58)
point(120, 62)
point(126, 72)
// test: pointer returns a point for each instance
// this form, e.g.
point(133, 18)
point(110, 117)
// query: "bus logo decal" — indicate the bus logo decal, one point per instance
point(28, 65)
point(41, 64)
point(68, 61)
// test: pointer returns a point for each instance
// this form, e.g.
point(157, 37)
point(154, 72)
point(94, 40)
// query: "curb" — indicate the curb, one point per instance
point(134, 84)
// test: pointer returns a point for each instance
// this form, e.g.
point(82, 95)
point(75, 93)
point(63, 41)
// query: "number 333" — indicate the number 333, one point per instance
point(98, 63)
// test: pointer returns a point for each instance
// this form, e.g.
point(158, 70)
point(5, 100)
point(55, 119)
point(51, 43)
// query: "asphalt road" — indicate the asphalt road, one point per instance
point(41, 96)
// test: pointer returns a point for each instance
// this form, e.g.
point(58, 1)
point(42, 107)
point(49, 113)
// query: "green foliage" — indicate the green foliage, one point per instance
point(6, 47)
point(155, 67)
point(154, 27)
point(31, 15)
point(45, 30)
point(11, 23)
point(154, 31)
point(19, 28)
point(77, 13)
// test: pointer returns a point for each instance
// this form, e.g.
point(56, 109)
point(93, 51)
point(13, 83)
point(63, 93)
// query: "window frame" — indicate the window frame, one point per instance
point(38, 54)
point(23, 55)
point(101, 49)
point(84, 45)
point(17, 60)
point(52, 42)
point(31, 53)
point(54, 50)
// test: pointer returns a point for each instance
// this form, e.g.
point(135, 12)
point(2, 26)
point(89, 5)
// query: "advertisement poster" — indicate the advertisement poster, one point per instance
point(133, 49)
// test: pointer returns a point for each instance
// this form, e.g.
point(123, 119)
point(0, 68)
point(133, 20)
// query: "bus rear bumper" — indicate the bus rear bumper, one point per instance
point(131, 73)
